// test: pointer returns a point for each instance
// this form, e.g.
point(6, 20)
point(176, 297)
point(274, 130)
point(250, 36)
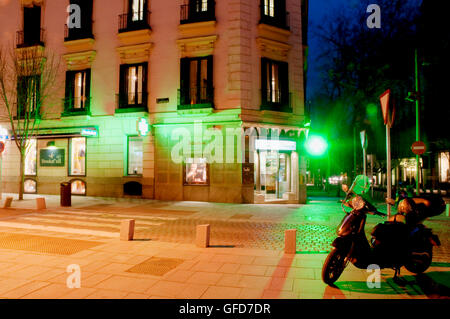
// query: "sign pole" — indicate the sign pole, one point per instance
point(417, 123)
point(389, 171)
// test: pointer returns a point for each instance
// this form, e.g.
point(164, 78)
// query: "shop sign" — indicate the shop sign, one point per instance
point(89, 132)
point(275, 145)
point(52, 157)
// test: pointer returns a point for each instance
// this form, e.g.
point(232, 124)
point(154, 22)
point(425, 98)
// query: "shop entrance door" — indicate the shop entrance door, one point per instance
point(275, 173)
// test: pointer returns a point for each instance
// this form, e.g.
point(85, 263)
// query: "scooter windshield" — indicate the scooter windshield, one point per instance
point(361, 184)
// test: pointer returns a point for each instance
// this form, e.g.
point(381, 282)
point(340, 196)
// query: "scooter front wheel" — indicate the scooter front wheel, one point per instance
point(334, 266)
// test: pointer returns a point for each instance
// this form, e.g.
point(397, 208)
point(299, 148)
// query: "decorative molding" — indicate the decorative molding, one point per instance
point(80, 60)
point(273, 33)
point(195, 47)
point(135, 37)
point(135, 53)
point(273, 49)
point(197, 29)
point(79, 45)
point(30, 3)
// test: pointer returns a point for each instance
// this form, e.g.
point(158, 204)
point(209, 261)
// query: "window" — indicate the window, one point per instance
point(78, 187)
point(31, 158)
point(444, 167)
point(135, 155)
point(196, 82)
point(137, 10)
point(273, 12)
point(77, 91)
point(30, 186)
point(85, 31)
point(197, 10)
point(196, 171)
point(28, 96)
point(274, 85)
point(77, 163)
point(133, 86)
point(32, 33)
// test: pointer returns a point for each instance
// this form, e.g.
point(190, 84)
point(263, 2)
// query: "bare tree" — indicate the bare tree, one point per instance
point(27, 81)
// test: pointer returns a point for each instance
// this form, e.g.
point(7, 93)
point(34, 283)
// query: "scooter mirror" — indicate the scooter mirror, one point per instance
point(390, 201)
point(345, 188)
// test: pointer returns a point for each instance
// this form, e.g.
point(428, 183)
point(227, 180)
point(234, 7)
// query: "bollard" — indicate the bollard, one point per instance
point(8, 202)
point(40, 203)
point(447, 211)
point(290, 241)
point(127, 230)
point(203, 234)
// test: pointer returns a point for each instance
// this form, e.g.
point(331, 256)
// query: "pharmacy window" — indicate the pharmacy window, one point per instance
point(135, 155)
point(196, 171)
point(31, 158)
point(77, 163)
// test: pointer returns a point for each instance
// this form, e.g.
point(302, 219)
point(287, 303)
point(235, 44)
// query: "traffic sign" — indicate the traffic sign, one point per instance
point(363, 136)
point(2, 147)
point(419, 148)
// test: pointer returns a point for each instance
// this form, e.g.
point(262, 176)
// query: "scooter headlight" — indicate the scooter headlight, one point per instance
point(357, 202)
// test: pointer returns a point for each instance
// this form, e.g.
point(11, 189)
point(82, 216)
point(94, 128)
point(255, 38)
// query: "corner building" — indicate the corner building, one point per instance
point(199, 72)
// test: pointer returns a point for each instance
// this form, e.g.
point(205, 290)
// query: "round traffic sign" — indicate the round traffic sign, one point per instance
point(2, 146)
point(419, 148)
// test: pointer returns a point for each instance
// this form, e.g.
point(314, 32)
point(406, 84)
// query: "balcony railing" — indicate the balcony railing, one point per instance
point(282, 21)
point(194, 98)
point(198, 11)
point(77, 105)
point(276, 100)
point(77, 33)
point(132, 100)
point(133, 21)
point(28, 39)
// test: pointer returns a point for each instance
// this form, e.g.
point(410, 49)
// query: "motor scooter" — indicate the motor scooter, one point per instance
point(394, 243)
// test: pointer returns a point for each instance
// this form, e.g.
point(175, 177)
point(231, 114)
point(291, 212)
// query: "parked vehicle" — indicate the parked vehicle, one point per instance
point(401, 241)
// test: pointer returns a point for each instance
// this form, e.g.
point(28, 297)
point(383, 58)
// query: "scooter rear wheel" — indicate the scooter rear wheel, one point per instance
point(420, 261)
point(333, 267)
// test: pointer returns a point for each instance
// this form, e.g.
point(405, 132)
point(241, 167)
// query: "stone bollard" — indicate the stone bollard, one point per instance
point(290, 241)
point(127, 230)
point(202, 237)
point(8, 202)
point(40, 203)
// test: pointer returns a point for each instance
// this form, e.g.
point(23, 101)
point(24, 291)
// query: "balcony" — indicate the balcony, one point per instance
point(77, 33)
point(276, 100)
point(195, 98)
point(280, 21)
point(74, 106)
point(134, 21)
point(197, 12)
point(132, 102)
point(29, 39)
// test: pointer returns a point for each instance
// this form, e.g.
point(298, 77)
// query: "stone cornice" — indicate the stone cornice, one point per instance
point(273, 49)
point(135, 53)
point(80, 60)
point(198, 46)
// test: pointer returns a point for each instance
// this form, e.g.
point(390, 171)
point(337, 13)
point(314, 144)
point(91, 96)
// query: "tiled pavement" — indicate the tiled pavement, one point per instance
point(236, 268)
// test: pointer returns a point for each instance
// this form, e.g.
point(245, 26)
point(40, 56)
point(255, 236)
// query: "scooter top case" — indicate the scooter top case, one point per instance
point(417, 209)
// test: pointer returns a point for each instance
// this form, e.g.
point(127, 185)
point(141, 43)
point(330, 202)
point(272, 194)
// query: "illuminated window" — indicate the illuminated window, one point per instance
point(196, 171)
point(444, 167)
point(78, 187)
point(31, 158)
point(30, 186)
point(77, 165)
point(269, 8)
point(138, 8)
point(197, 82)
point(133, 85)
point(77, 90)
point(135, 155)
point(275, 85)
point(197, 10)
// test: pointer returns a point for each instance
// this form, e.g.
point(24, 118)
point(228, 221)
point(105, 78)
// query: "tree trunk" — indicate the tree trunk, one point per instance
point(22, 174)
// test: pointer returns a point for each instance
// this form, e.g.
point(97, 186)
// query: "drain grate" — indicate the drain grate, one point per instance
point(42, 244)
point(241, 216)
point(156, 266)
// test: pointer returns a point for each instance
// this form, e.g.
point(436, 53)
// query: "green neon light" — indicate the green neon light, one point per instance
point(143, 127)
point(316, 145)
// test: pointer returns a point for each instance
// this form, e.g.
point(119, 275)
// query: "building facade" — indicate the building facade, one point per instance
point(174, 100)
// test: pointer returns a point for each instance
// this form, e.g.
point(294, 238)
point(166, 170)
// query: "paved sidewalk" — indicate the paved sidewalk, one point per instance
point(34, 256)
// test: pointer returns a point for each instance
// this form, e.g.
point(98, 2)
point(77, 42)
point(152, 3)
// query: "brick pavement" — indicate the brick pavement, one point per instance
point(227, 270)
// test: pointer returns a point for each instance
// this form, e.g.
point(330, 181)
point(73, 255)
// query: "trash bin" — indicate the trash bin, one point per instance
point(66, 195)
